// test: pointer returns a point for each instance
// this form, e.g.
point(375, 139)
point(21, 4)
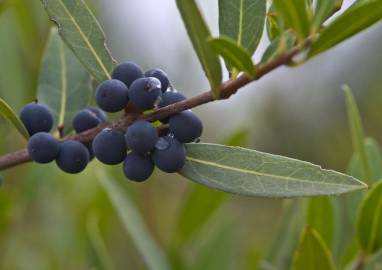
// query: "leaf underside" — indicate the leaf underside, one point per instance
point(9, 114)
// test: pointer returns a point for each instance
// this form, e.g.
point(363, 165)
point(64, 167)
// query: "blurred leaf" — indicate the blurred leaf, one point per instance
point(312, 254)
point(9, 114)
point(197, 208)
point(199, 34)
point(98, 243)
point(374, 154)
point(273, 23)
point(64, 84)
point(278, 46)
point(357, 133)
point(248, 172)
point(349, 23)
point(374, 262)
point(81, 31)
point(239, 137)
point(320, 216)
point(234, 55)
point(286, 238)
point(322, 11)
point(242, 21)
point(369, 221)
point(1, 180)
point(295, 15)
point(133, 223)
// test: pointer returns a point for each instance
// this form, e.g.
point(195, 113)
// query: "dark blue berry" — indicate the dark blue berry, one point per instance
point(168, 98)
point(169, 154)
point(141, 137)
point(100, 114)
point(127, 72)
point(160, 75)
point(109, 146)
point(72, 157)
point(89, 146)
point(138, 167)
point(186, 126)
point(112, 95)
point(84, 120)
point(144, 93)
point(43, 147)
point(36, 118)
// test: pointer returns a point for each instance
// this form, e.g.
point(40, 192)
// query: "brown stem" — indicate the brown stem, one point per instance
point(226, 89)
point(361, 260)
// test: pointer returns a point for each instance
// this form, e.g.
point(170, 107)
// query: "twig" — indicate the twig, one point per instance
point(227, 89)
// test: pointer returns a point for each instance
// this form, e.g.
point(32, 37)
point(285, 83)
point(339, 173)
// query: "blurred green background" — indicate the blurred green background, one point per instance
point(298, 112)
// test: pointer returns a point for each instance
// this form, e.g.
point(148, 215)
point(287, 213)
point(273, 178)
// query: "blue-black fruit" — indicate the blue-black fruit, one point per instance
point(144, 93)
point(99, 113)
point(138, 167)
point(112, 95)
point(89, 146)
point(36, 118)
point(141, 137)
point(85, 119)
point(127, 72)
point(186, 126)
point(43, 147)
point(161, 76)
point(109, 146)
point(169, 154)
point(168, 98)
point(72, 156)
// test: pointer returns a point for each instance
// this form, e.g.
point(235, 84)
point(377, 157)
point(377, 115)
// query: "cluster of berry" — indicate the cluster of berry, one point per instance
point(140, 148)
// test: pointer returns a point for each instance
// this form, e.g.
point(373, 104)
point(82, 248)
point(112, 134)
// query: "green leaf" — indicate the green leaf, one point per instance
point(312, 253)
point(369, 221)
point(133, 223)
point(322, 11)
point(242, 21)
point(278, 46)
point(273, 23)
point(320, 216)
point(352, 21)
point(64, 84)
point(295, 15)
point(374, 262)
point(9, 114)
point(234, 55)
point(81, 31)
point(239, 137)
point(248, 172)
point(199, 34)
point(357, 133)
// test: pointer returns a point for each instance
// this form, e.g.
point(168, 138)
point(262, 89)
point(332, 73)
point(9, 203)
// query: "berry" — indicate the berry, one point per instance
point(89, 146)
point(99, 113)
point(127, 72)
point(141, 136)
point(36, 118)
point(169, 154)
point(85, 119)
point(43, 147)
point(144, 93)
point(171, 97)
point(72, 157)
point(138, 167)
point(109, 146)
point(112, 96)
point(186, 126)
point(160, 75)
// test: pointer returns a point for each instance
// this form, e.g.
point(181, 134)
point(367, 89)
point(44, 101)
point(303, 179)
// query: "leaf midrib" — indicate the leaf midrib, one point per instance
point(253, 172)
point(63, 86)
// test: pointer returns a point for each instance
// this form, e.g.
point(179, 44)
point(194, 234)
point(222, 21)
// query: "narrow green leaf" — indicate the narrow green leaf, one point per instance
point(242, 21)
point(322, 11)
point(312, 254)
point(64, 84)
point(374, 154)
point(352, 21)
point(278, 46)
point(239, 137)
point(248, 172)
point(98, 243)
point(295, 15)
point(81, 31)
point(273, 23)
point(133, 223)
point(369, 221)
point(199, 34)
point(9, 114)
point(357, 133)
point(234, 55)
point(320, 216)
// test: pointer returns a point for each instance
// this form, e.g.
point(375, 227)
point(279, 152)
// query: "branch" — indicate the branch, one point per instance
point(226, 90)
